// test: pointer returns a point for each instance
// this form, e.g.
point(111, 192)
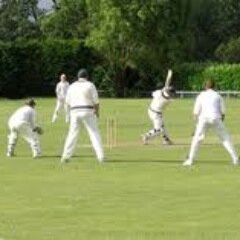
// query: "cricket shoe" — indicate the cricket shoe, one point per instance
point(145, 139)
point(167, 142)
point(236, 162)
point(54, 118)
point(64, 160)
point(188, 162)
point(38, 155)
point(101, 160)
point(10, 154)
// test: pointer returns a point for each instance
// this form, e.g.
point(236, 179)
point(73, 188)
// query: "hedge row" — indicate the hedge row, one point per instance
point(191, 76)
point(32, 67)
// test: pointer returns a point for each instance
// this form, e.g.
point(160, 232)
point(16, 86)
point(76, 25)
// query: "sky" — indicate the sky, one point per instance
point(45, 4)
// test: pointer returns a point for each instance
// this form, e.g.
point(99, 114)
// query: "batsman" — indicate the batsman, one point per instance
point(161, 98)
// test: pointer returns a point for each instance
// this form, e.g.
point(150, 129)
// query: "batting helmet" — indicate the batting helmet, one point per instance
point(171, 91)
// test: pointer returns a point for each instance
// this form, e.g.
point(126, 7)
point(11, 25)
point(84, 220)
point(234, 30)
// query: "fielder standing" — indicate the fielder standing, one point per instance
point(161, 98)
point(61, 91)
point(209, 112)
point(83, 103)
point(23, 123)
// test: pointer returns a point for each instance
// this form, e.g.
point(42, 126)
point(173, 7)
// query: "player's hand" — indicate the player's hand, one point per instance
point(67, 118)
point(38, 130)
point(223, 117)
point(97, 114)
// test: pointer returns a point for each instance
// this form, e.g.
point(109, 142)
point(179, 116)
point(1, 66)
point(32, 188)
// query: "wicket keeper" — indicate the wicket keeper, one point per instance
point(23, 123)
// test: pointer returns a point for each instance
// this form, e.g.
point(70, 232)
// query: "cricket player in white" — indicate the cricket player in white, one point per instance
point(209, 112)
point(23, 123)
point(83, 103)
point(61, 91)
point(161, 98)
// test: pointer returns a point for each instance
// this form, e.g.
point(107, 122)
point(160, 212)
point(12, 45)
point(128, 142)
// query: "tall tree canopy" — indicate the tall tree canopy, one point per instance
point(143, 36)
point(19, 18)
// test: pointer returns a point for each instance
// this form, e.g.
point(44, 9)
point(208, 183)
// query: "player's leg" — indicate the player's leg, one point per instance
point(166, 139)
point(71, 140)
point(226, 140)
point(33, 139)
point(90, 123)
point(58, 107)
point(156, 130)
point(12, 142)
point(201, 129)
point(66, 112)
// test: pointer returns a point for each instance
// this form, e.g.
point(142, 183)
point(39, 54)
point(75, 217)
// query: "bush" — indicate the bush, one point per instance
point(193, 75)
point(19, 73)
point(229, 52)
point(32, 67)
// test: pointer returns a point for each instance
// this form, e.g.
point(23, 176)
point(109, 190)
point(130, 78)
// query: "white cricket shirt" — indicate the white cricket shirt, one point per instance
point(160, 100)
point(82, 93)
point(209, 104)
point(61, 89)
point(25, 114)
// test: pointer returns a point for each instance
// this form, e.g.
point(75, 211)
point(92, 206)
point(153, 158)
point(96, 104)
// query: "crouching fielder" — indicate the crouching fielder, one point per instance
point(22, 123)
point(83, 103)
point(161, 98)
point(61, 91)
point(209, 111)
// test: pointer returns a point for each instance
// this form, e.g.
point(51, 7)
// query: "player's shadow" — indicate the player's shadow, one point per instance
point(202, 162)
point(59, 156)
point(50, 156)
point(144, 161)
point(179, 162)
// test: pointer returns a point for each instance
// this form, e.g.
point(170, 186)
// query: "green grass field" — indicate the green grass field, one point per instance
point(140, 192)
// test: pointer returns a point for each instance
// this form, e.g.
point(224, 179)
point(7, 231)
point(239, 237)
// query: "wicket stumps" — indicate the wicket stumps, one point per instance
point(111, 137)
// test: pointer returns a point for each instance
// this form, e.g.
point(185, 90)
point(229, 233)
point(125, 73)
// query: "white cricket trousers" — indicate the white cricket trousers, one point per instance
point(89, 119)
point(202, 126)
point(24, 130)
point(60, 105)
point(158, 126)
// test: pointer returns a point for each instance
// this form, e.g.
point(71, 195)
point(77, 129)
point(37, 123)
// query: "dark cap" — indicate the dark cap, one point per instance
point(82, 73)
point(30, 102)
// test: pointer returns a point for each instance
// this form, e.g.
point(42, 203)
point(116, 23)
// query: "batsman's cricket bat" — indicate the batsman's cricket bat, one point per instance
point(168, 78)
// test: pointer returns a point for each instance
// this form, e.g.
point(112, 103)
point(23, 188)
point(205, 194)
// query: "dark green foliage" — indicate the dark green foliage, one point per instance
point(68, 21)
point(193, 75)
point(127, 46)
point(229, 52)
point(32, 67)
point(19, 19)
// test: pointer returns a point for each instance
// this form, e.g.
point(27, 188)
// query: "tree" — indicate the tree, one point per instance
point(68, 20)
point(148, 35)
point(18, 18)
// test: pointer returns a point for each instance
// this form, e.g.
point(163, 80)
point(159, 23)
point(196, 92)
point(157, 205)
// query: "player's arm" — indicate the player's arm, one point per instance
point(197, 108)
point(57, 90)
point(67, 106)
point(96, 109)
point(168, 78)
point(222, 109)
point(95, 101)
point(32, 118)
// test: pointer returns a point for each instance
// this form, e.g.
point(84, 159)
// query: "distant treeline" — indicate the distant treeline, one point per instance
point(127, 46)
